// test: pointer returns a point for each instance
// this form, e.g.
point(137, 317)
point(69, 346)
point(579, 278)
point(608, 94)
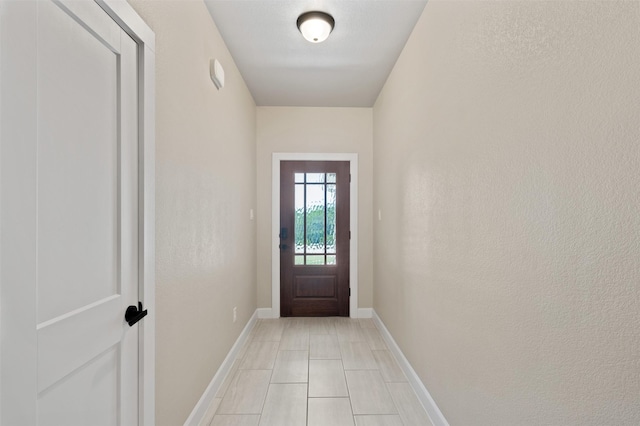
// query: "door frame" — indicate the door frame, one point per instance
point(129, 20)
point(18, 326)
point(277, 157)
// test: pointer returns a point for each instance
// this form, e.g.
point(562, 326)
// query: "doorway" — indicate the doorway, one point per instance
point(314, 238)
point(277, 159)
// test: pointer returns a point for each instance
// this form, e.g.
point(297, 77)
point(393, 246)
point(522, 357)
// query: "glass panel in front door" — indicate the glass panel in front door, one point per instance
point(315, 220)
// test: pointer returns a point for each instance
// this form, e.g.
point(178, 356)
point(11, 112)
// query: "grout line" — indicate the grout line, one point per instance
point(308, 377)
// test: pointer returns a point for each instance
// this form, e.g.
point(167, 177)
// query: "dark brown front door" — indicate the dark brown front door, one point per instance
point(314, 238)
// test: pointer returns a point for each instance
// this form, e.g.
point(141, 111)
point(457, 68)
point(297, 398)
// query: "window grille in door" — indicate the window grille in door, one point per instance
point(315, 219)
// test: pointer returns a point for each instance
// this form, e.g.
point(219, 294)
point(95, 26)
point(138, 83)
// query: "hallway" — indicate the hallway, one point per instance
point(315, 372)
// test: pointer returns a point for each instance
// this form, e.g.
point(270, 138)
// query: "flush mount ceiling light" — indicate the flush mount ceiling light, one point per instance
point(315, 26)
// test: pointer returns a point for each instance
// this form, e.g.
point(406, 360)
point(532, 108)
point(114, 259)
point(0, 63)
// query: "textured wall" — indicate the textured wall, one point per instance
point(507, 159)
point(205, 186)
point(332, 130)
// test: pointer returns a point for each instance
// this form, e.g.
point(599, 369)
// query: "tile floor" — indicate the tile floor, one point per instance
point(315, 372)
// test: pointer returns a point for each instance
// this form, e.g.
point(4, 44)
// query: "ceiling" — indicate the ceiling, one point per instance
point(281, 68)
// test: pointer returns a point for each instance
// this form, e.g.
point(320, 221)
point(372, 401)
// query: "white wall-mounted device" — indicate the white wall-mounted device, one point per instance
point(217, 73)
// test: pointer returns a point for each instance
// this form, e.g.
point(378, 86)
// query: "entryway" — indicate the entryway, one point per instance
point(323, 284)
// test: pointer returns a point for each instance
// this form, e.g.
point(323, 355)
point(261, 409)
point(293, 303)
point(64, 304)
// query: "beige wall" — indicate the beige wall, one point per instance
point(315, 130)
point(205, 188)
point(507, 159)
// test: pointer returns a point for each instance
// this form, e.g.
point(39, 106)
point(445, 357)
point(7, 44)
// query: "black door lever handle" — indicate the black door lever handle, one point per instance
point(134, 314)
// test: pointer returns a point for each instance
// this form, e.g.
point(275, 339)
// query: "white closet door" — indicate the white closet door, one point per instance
point(75, 183)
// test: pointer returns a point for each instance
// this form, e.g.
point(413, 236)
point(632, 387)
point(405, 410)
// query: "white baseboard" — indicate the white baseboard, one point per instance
point(264, 313)
point(200, 410)
point(436, 416)
point(365, 312)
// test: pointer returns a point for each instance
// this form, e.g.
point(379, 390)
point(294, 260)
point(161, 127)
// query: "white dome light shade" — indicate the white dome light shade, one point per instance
point(315, 26)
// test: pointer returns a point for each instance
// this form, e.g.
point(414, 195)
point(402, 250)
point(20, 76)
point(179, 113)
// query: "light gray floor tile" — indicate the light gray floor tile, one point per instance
point(330, 412)
point(332, 325)
point(357, 356)
point(286, 405)
point(291, 367)
point(379, 420)
point(324, 346)
point(349, 331)
point(235, 420)
point(339, 321)
point(366, 323)
point(352, 378)
point(243, 350)
point(246, 393)
point(211, 411)
point(322, 326)
point(389, 368)
point(374, 339)
point(326, 379)
point(409, 407)
point(260, 356)
point(269, 330)
point(295, 338)
point(228, 378)
point(368, 392)
point(298, 323)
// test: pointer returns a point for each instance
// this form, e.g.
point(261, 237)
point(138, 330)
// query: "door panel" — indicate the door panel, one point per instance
point(77, 160)
point(314, 237)
point(315, 286)
point(98, 407)
point(81, 170)
point(76, 332)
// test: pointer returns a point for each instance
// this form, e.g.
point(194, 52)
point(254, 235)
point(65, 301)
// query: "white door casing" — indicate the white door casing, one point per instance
point(76, 170)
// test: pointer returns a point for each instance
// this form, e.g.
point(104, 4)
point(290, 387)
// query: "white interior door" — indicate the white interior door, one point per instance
point(70, 209)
